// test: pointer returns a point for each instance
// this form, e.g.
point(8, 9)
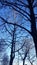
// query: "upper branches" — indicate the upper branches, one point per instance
point(17, 8)
point(5, 21)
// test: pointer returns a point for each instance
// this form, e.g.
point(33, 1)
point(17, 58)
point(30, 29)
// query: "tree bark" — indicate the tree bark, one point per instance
point(23, 61)
point(12, 48)
point(11, 61)
point(33, 24)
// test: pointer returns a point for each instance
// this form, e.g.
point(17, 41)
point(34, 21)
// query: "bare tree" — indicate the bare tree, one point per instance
point(31, 4)
point(12, 56)
point(23, 54)
point(28, 15)
point(5, 60)
point(3, 50)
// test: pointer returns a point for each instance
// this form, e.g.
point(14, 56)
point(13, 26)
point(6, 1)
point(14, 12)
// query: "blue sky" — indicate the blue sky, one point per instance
point(12, 16)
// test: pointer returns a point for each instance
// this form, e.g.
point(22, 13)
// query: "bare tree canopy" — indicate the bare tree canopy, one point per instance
point(18, 20)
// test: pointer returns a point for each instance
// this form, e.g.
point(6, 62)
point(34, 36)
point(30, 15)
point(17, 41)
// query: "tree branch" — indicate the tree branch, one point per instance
point(14, 6)
point(15, 24)
point(25, 5)
point(2, 24)
point(8, 30)
point(35, 5)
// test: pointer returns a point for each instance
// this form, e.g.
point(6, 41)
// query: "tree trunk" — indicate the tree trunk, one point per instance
point(33, 24)
point(35, 41)
point(11, 61)
point(23, 62)
point(12, 48)
point(11, 57)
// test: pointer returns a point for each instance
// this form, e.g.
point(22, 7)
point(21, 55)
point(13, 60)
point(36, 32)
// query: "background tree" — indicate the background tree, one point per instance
point(3, 46)
point(5, 60)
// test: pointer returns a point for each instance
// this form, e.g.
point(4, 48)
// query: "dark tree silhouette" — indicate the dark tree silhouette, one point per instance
point(31, 5)
point(29, 17)
point(12, 56)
